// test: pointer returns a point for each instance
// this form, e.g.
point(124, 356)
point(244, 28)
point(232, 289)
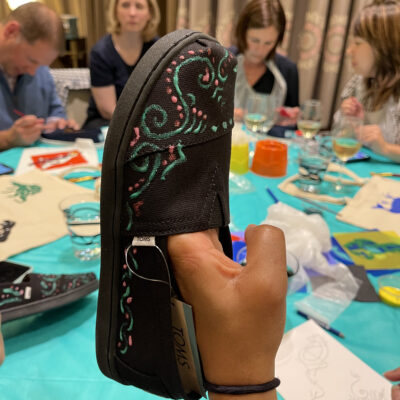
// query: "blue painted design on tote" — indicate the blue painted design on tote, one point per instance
point(392, 204)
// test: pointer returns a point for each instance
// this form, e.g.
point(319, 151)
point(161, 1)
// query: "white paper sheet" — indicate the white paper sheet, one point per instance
point(82, 153)
point(312, 365)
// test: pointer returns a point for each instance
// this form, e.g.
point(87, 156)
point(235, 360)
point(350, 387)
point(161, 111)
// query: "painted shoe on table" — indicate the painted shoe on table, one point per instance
point(40, 292)
point(165, 171)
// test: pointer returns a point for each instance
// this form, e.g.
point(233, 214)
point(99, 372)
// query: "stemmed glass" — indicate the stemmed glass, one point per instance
point(345, 142)
point(260, 114)
point(309, 121)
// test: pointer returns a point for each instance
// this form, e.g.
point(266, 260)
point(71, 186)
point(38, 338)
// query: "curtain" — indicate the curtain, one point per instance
point(4, 9)
point(315, 38)
point(91, 16)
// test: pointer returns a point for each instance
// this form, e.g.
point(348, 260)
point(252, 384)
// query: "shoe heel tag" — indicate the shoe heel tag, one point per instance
point(144, 241)
point(186, 352)
point(28, 293)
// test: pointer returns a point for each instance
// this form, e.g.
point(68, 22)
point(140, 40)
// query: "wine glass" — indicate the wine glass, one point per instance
point(313, 158)
point(345, 142)
point(309, 121)
point(260, 113)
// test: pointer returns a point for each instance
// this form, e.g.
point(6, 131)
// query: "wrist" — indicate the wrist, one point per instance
point(271, 395)
point(7, 138)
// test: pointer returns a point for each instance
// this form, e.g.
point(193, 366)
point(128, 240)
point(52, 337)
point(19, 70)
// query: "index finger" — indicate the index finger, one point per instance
point(28, 120)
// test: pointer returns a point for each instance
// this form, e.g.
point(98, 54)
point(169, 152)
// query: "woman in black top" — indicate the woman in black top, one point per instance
point(133, 28)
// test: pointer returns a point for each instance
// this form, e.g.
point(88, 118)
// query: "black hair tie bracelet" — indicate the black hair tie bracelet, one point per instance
point(247, 389)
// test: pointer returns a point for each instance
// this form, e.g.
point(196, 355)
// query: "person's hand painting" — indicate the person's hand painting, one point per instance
point(352, 107)
point(239, 311)
point(25, 131)
point(394, 376)
point(371, 136)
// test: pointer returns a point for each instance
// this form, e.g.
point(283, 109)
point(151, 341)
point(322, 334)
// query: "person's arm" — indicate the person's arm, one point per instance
point(371, 136)
point(102, 79)
point(239, 312)
point(57, 117)
point(105, 99)
point(25, 131)
point(394, 376)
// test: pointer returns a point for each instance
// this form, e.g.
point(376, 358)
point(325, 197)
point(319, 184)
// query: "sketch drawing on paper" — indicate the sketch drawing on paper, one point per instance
point(314, 357)
point(357, 392)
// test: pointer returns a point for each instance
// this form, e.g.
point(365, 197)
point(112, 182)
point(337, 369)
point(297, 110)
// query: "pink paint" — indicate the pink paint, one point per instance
point(169, 70)
point(169, 90)
point(135, 250)
point(136, 207)
point(199, 113)
point(181, 115)
point(179, 107)
point(168, 80)
point(130, 340)
point(177, 124)
point(126, 316)
point(206, 77)
point(205, 116)
point(124, 266)
point(174, 99)
point(191, 52)
point(137, 136)
point(130, 188)
point(129, 300)
point(216, 82)
point(164, 162)
point(194, 110)
point(124, 284)
point(173, 62)
point(181, 57)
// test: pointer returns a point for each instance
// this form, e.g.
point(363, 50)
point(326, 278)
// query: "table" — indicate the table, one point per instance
point(52, 355)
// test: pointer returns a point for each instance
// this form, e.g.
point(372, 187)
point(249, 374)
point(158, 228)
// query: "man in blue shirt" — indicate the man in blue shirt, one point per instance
point(31, 37)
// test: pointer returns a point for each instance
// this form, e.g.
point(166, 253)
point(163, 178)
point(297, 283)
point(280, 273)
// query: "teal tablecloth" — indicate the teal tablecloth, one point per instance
point(52, 355)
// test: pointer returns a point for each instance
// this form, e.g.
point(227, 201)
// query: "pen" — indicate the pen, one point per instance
point(19, 113)
point(82, 179)
point(385, 174)
point(318, 205)
point(271, 193)
point(324, 325)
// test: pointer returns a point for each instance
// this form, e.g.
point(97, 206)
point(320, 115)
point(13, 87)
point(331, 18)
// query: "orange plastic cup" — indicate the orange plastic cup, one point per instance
point(270, 158)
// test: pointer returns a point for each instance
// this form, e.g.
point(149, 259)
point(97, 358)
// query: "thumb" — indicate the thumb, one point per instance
point(266, 258)
point(396, 392)
point(393, 375)
point(265, 248)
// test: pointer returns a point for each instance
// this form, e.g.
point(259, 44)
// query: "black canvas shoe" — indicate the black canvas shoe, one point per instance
point(165, 172)
point(40, 292)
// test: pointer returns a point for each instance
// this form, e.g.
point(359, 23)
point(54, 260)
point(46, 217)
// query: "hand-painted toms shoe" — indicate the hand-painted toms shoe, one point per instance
point(40, 292)
point(165, 172)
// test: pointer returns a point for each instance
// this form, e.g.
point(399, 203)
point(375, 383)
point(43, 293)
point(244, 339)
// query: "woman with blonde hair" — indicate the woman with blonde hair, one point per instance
point(132, 27)
point(374, 92)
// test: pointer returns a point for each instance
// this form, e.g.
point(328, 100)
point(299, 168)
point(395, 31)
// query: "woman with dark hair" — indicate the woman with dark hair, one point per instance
point(259, 31)
point(374, 92)
point(132, 27)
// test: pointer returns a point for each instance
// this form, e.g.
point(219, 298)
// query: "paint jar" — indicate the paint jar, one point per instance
point(270, 158)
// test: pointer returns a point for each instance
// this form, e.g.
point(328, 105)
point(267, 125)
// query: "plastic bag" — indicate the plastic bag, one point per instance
point(332, 287)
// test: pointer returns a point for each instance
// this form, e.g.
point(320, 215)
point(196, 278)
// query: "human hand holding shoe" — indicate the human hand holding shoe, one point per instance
point(394, 376)
point(239, 311)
